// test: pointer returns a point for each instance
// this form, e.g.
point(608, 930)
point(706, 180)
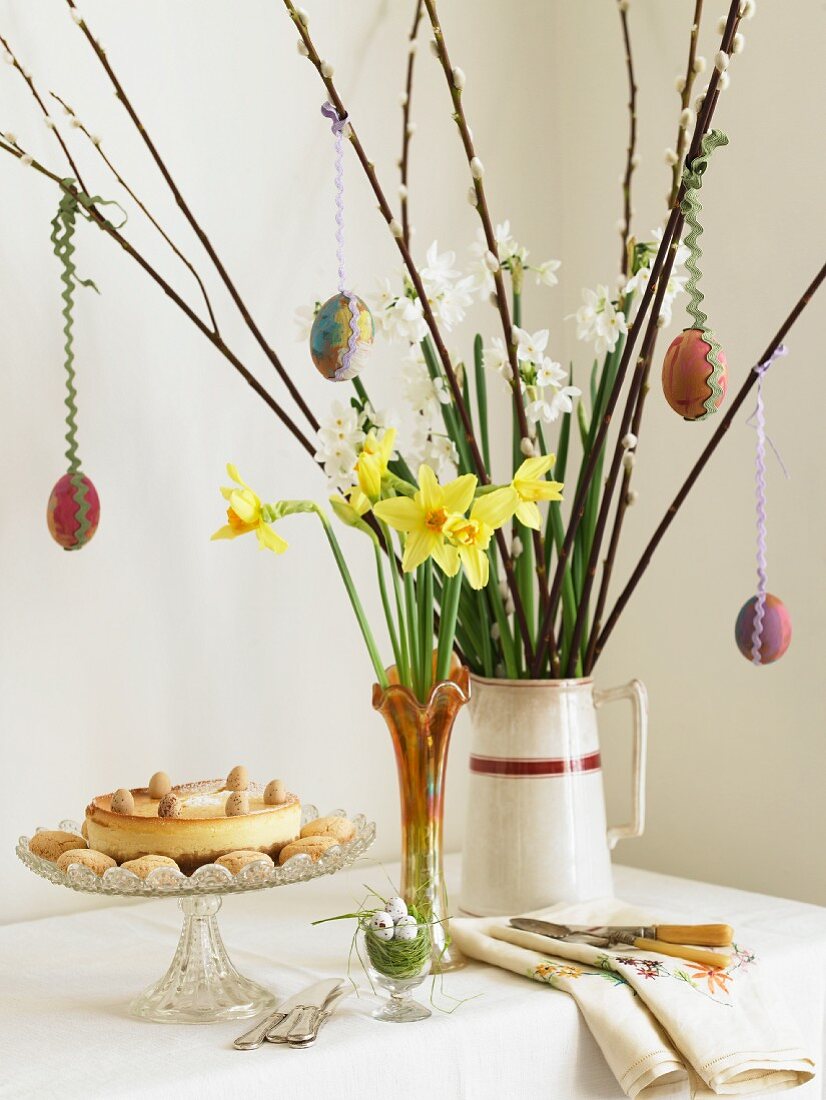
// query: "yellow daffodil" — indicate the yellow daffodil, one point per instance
point(472, 534)
point(245, 514)
point(424, 519)
point(371, 465)
point(351, 508)
point(530, 486)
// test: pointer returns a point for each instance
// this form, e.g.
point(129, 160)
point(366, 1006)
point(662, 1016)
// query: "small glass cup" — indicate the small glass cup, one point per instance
point(398, 967)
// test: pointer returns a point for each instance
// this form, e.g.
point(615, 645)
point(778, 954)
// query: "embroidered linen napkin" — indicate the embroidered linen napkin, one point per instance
point(658, 1020)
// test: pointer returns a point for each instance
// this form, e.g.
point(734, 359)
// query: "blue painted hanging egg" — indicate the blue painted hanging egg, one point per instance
point(341, 335)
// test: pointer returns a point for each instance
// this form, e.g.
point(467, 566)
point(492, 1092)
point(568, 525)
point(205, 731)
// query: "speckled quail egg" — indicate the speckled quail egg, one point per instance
point(381, 925)
point(406, 928)
point(397, 909)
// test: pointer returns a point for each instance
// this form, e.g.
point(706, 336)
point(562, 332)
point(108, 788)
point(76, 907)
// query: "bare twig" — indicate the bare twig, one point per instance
point(100, 53)
point(324, 71)
point(45, 110)
point(455, 83)
point(631, 159)
point(624, 498)
point(96, 144)
point(406, 128)
point(702, 461)
point(214, 338)
point(660, 272)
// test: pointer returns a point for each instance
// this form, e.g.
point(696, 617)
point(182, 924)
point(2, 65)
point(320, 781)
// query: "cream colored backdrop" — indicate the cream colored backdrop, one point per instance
point(153, 648)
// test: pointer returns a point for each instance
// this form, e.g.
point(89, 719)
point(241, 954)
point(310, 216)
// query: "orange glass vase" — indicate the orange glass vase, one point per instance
point(421, 735)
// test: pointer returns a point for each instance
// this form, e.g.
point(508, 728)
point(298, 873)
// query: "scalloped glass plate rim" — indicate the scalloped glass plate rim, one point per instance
point(166, 882)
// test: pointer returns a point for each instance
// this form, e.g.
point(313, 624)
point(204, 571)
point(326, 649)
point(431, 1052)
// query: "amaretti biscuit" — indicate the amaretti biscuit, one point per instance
point(53, 843)
point(145, 864)
point(95, 861)
point(312, 846)
point(234, 861)
point(341, 828)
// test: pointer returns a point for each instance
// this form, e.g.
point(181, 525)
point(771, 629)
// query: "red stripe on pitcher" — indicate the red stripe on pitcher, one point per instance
point(536, 767)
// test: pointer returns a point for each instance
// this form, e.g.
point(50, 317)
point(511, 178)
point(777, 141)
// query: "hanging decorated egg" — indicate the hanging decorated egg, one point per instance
point(381, 925)
point(341, 336)
point(694, 383)
point(73, 511)
point(776, 633)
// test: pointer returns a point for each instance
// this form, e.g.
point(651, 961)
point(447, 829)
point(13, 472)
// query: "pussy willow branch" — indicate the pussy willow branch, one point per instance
point(455, 388)
point(490, 238)
point(702, 461)
point(96, 145)
point(100, 53)
point(406, 132)
point(634, 395)
point(214, 338)
point(624, 498)
point(625, 232)
point(661, 269)
point(685, 100)
point(44, 109)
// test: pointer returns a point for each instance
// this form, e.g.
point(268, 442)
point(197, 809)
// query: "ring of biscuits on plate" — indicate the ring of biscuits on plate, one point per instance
point(232, 822)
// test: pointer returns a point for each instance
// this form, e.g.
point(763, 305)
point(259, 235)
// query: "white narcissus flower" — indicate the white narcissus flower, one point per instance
point(496, 358)
point(439, 269)
point(546, 272)
point(549, 373)
point(530, 347)
point(398, 317)
point(452, 301)
point(506, 249)
point(549, 411)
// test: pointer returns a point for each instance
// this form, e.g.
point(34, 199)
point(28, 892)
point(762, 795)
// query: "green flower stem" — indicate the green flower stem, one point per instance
point(399, 485)
point(404, 669)
point(447, 625)
point(388, 609)
point(448, 412)
point(482, 399)
point(413, 633)
point(525, 575)
point(505, 638)
point(424, 587)
point(355, 602)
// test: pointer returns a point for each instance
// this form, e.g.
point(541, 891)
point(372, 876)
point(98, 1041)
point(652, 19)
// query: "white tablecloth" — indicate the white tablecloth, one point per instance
point(65, 982)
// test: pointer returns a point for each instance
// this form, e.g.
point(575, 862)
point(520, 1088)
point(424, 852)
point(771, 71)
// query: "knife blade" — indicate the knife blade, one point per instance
point(305, 1008)
point(608, 936)
point(317, 993)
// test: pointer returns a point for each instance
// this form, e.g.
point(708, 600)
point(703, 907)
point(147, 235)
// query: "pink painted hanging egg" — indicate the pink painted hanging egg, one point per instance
point(687, 374)
point(73, 512)
point(775, 635)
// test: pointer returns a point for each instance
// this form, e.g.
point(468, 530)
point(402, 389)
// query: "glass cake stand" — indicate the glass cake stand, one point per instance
point(201, 984)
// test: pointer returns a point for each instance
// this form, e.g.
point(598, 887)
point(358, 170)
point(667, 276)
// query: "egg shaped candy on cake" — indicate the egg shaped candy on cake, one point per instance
point(73, 511)
point(776, 633)
point(330, 338)
point(693, 387)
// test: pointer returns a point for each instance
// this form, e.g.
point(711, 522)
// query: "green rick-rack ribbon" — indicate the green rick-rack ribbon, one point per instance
point(691, 209)
point(72, 203)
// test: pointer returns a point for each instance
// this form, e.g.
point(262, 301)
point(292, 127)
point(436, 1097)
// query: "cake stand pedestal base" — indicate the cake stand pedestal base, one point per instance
point(201, 984)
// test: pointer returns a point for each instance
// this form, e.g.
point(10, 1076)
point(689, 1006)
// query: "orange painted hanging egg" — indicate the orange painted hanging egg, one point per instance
point(693, 386)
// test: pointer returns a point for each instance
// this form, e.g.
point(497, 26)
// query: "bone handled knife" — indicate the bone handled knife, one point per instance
point(644, 937)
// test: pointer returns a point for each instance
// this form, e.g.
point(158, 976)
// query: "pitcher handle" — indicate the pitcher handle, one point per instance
point(635, 691)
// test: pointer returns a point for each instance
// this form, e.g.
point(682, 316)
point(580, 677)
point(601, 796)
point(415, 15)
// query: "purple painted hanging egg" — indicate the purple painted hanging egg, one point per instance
point(775, 635)
point(688, 383)
point(73, 512)
point(330, 338)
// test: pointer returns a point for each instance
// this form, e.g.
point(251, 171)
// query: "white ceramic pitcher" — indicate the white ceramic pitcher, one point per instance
point(535, 827)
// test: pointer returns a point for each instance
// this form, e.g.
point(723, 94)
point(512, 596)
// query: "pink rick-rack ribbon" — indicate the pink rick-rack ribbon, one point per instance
point(758, 420)
point(337, 125)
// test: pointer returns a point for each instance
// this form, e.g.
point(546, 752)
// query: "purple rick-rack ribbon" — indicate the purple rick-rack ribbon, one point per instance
point(758, 419)
point(337, 124)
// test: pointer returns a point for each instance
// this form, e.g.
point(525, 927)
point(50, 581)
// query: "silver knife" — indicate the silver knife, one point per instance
point(299, 1038)
point(303, 1011)
point(287, 1011)
point(700, 935)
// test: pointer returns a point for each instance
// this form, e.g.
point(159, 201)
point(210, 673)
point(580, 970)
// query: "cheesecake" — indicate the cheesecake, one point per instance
point(207, 819)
